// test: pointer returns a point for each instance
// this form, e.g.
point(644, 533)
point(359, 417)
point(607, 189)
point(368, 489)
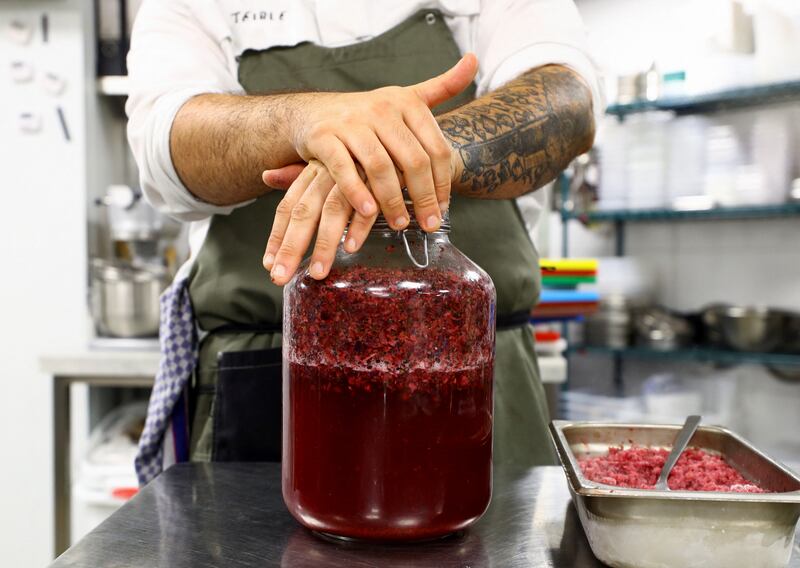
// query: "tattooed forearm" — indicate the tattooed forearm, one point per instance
point(519, 137)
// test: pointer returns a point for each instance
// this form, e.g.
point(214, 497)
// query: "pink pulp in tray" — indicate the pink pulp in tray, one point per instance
point(639, 468)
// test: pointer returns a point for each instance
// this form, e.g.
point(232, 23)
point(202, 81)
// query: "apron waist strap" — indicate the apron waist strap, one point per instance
point(248, 328)
point(513, 320)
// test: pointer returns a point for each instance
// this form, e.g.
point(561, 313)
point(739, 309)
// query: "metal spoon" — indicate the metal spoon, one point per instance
point(681, 441)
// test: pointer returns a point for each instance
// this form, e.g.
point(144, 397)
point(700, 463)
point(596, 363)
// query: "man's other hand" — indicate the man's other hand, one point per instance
point(380, 130)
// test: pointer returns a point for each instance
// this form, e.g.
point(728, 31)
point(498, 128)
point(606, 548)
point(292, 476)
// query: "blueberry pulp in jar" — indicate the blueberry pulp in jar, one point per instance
point(388, 373)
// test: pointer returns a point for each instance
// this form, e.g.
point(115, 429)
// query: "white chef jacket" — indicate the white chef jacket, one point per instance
point(182, 48)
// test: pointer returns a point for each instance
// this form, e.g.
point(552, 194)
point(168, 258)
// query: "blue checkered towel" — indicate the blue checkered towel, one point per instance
point(165, 438)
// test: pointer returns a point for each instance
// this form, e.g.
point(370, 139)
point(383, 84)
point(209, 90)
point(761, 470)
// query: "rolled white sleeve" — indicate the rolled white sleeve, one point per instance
point(173, 57)
point(514, 36)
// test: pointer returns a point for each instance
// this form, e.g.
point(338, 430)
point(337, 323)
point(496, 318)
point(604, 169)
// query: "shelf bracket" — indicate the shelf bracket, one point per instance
point(619, 230)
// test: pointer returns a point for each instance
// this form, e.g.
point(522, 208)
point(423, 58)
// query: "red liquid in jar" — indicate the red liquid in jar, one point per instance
point(388, 425)
point(391, 462)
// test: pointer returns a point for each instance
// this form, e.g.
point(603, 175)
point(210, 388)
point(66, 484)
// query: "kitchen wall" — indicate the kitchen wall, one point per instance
point(693, 263)
point(701, 37)
point(689, 264)
point(42, 249)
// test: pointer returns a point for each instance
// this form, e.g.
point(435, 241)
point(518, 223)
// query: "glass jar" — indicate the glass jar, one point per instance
point(388, 377)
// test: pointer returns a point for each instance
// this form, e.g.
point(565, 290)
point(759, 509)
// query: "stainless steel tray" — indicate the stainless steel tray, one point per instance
point(644, 528)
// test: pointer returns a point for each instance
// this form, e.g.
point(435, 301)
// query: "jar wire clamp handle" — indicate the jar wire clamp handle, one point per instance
point(411, 255)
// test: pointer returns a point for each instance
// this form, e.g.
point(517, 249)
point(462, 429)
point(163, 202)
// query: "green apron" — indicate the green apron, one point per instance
point(236, 388)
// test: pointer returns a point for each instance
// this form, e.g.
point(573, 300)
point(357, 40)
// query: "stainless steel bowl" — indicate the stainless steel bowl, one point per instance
point(745, 328)
point(789, 344)
point(791, 334)
point(125, 299)
point(658, 329)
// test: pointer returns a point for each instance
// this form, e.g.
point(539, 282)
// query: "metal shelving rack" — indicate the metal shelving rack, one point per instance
point(726, 99)
point(702, 354)
point(715, 213)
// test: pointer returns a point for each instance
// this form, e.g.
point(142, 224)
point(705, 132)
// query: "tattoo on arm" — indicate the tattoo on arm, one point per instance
point(519, 137)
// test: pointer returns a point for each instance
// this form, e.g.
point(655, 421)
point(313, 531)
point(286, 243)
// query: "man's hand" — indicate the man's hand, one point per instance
point(543, 119)
point(220, 143)
point(312, 204)
point(381, 129)
point(540, 121)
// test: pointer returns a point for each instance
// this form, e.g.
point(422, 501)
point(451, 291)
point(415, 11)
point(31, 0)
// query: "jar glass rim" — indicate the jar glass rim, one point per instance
point(381, 225)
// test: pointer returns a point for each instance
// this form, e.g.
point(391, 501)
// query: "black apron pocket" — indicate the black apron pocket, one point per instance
point(247, 410)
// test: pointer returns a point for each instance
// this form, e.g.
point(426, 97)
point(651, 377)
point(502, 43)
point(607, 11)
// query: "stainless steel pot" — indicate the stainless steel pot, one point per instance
point(611, 325)
point(658, 329)
point(124, 298)
point(791, 335)
point(745, 328)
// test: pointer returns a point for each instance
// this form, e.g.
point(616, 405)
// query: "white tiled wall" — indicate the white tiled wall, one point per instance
point(693, 263)
point(741, 262)
point(626, 36)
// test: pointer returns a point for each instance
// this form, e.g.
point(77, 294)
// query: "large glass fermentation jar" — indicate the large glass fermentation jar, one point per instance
point(388, 374)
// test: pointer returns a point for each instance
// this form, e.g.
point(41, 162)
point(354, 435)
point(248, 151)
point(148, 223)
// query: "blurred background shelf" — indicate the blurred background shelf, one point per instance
point(693, 354)
point(113, 85)
point(729, 98)
point(738, 212)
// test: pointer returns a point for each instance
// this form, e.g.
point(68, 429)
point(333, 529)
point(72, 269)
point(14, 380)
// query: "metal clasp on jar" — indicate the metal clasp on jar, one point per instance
point(411, 255)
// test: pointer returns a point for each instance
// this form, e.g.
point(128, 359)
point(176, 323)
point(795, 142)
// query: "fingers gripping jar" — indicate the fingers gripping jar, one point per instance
point(388, 376)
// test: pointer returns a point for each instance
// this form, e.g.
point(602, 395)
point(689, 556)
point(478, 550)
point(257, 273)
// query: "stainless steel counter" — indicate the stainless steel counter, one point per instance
point(232, 515)
point(107, 362)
